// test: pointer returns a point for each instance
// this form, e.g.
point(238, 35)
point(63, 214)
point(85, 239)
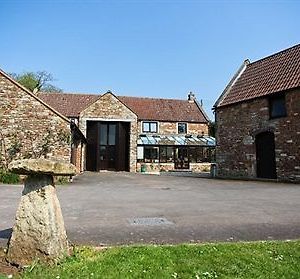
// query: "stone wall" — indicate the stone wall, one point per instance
point(170, 128)
point(76, 156)
point(198, 129)
point(161, 167)
point(29, 129)
point(109, 108)
point(237, 126)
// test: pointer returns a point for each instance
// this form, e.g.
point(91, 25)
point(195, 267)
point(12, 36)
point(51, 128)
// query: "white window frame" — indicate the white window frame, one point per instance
point(140, 152)
point(150, 132)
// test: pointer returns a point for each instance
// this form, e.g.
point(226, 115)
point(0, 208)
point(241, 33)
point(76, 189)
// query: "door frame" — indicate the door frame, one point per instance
point(122, 145)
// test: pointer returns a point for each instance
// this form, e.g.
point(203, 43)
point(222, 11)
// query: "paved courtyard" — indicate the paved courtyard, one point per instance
point(120, 208)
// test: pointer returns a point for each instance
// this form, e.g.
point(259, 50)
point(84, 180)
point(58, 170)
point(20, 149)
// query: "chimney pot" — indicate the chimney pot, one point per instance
point(191, 97)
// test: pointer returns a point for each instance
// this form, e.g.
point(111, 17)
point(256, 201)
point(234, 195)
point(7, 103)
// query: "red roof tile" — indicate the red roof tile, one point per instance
point(275, 73)
point(164, 109)
point(68, 104)
point(71, 105)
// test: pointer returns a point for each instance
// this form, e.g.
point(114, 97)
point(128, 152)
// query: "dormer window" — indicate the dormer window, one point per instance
point(150, 127)
point(277, 107)
point(182, 128)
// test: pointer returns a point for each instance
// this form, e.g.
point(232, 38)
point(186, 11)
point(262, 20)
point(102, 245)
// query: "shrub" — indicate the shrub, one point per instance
point(8, 177)
point(62, 180)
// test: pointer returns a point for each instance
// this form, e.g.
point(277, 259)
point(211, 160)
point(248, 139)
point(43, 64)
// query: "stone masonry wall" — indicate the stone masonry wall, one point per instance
point(76, 158)
point(237, 126)
point(28, 128)
point(161, 167)
point(109, 108)
point(170, 128)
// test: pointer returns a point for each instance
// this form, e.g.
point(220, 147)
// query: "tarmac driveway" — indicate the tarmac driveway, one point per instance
point(119, 208)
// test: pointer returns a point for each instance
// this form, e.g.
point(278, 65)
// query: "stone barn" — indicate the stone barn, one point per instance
point(258, 119)
point(30, 128)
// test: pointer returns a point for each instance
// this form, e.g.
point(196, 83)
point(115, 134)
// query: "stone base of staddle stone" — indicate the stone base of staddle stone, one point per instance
point(39, 233)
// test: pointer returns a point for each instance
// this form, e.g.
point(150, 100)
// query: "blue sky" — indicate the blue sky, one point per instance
point(143, 48)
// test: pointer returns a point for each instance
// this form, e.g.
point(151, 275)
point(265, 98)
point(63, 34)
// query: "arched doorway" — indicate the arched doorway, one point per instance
point(265, 155)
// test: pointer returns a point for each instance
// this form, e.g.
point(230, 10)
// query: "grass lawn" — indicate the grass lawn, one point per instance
point(276, 259)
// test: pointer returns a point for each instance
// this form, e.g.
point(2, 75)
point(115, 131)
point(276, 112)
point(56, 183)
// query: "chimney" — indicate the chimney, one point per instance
point(191, 97)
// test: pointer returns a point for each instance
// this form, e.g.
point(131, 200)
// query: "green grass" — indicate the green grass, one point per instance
point(8, 177)
point(224, 260)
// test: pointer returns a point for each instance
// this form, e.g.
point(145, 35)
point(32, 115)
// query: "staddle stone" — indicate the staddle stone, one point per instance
point(39, 232)
point(42, 166)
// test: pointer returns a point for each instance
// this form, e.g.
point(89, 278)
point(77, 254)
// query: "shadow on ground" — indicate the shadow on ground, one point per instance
point(5, 234)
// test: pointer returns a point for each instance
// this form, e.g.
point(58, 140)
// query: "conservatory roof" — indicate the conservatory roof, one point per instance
point(176, 140)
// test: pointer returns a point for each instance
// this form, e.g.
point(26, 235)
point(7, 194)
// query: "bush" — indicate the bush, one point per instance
point(62, 180)
point(8, 177)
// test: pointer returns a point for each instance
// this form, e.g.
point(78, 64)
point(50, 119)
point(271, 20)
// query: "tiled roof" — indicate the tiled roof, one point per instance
point(68, 104)
point(275, 73)
point(164, 109)
point(145, 108)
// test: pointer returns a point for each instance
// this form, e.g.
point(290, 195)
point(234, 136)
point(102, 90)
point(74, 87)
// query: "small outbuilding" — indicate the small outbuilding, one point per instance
point(258, 119)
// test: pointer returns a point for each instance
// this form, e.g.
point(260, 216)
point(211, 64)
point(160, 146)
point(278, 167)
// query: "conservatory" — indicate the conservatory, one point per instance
point(175, 152)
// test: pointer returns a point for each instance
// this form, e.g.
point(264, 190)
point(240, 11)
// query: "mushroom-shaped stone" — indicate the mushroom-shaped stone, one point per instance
point(39, 232)
point(41, 166)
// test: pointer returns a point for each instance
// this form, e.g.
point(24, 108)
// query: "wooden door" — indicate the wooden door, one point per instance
point(107, 146)
point(92, 146)
point(122, 154)
point(265, 155)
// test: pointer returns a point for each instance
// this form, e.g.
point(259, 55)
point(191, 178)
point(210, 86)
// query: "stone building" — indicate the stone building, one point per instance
point(258, 119)
point(30, 128)
point(128, 133)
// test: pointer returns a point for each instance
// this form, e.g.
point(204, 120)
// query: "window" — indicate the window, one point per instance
point(107, 134)
point(103, 134)
point(150, 154)
point(166, 154)
point(150, 127)
point(182, 128)
point(201, 154)
point(277, 106)
point(196, 154)
point(140, 153)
